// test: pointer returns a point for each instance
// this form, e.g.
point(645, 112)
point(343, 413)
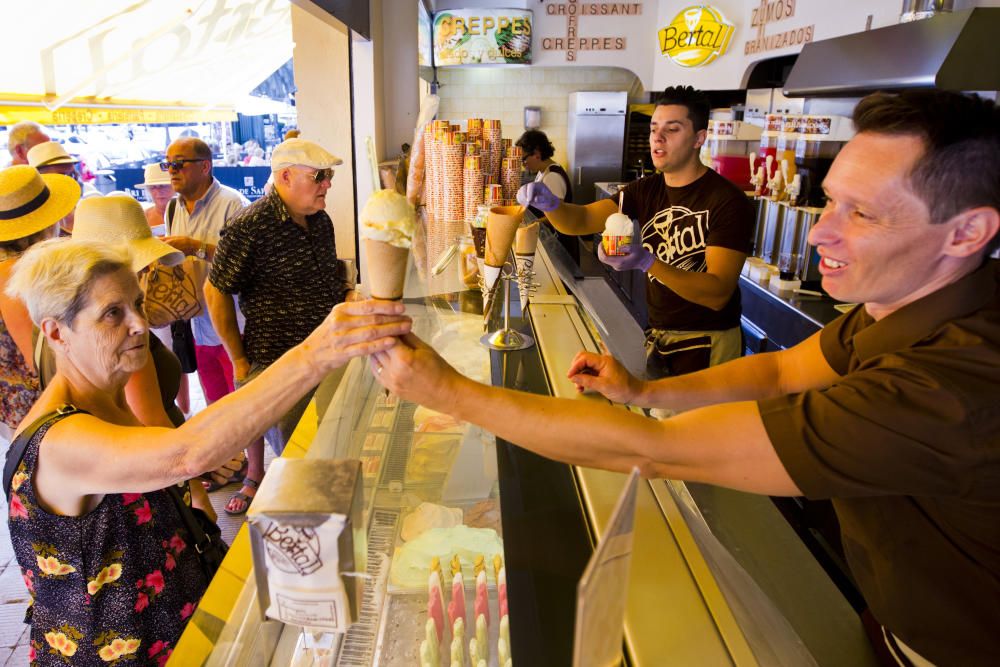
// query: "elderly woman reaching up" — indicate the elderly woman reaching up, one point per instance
point(100, 543)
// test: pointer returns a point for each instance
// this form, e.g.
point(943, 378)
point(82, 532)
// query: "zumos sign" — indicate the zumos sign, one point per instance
point(482, 37)
point(696, 36)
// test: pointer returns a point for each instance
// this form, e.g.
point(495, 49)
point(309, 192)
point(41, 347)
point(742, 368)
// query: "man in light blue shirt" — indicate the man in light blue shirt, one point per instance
point(193, 227)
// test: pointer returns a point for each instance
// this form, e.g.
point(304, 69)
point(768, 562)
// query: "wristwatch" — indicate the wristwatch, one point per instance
point(201, 253)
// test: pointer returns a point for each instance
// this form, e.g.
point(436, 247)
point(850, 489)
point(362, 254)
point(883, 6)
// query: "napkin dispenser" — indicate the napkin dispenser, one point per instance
point(308, 543)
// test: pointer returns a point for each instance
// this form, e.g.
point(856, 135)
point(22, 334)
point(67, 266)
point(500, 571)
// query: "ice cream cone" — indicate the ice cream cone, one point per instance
point(500, 230)
point(386, 269)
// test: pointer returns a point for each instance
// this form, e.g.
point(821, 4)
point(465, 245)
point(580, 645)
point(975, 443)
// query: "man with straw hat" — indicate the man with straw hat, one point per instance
point(50, 157)
point(30, 206)
point(280, 257)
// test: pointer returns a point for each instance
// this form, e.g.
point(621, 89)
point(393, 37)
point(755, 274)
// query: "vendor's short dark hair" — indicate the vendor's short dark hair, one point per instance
point(960, 166)
point(696, 102)
point(533, 140)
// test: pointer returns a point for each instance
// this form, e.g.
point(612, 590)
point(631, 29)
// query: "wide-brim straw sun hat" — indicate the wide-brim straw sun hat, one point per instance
point(48, 153)
point(118, 219)
point(153, 174)
point(30, 202)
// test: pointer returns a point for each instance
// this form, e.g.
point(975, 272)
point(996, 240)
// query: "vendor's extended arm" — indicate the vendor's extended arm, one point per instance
point(749, 378)
point(569, 219)
point(723, 444)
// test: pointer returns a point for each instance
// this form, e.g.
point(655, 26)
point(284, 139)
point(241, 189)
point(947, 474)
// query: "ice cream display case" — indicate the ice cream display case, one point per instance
point(458, 524)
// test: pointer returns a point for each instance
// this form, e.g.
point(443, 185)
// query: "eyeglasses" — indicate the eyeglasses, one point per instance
point(167, 165)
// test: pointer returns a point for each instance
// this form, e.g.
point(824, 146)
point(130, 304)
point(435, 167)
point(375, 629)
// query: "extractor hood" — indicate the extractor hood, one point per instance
point(953, 51)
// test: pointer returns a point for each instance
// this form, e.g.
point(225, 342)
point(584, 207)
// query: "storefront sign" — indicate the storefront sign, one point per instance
point(774, 11)
point(482, 36)
point(696, 36)
point(572, 41)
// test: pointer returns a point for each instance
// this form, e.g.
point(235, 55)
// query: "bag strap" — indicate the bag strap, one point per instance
point(171, 209)
point(201, 540)
point(17, 448)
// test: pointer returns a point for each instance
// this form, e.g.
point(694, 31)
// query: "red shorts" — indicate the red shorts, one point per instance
point(215, 371)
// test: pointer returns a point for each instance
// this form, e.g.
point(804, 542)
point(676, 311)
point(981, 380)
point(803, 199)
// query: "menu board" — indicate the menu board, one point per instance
point(482, 37)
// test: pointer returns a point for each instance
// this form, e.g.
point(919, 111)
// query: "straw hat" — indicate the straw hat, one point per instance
point(49, 152)
point(303, 152)
point(119, 219)
point(30, 202)
point(153, 175)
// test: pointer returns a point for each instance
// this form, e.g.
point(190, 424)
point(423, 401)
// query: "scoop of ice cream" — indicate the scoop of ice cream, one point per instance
point(388, 217)
point(618, 224)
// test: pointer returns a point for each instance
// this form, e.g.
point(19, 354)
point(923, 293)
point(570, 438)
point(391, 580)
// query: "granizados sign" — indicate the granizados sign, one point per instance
point(482, 36)
point(696, 36)
point(773, 11)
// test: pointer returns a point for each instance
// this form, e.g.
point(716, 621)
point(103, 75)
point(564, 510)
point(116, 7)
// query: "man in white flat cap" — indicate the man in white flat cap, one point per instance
point(280, 257)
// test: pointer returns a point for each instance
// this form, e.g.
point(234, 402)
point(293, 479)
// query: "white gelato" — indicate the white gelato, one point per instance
point(618, 224)
point(390, 218)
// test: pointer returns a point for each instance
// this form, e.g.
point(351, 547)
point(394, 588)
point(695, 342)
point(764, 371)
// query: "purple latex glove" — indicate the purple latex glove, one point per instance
point(638, 257)
point(538, 196)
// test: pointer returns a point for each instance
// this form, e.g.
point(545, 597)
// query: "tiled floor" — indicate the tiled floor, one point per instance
point(13, 594)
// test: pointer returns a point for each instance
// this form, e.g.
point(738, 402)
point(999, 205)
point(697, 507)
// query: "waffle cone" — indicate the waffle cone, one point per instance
point(526, 239)
point(501, 226)
point(386, 269)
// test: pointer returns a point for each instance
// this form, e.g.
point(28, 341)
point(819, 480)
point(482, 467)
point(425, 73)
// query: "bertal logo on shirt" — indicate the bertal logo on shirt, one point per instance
point(682, 235)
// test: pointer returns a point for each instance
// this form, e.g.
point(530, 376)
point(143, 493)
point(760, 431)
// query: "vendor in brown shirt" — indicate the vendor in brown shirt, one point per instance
point(892, 410)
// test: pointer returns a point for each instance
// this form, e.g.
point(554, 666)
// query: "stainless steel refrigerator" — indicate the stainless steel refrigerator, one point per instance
point(595, 140)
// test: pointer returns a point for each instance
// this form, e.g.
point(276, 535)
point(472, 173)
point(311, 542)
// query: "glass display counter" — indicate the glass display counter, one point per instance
point(687, 602)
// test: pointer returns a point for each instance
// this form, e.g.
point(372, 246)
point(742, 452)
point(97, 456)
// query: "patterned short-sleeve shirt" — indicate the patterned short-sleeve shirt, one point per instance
point(287, 277)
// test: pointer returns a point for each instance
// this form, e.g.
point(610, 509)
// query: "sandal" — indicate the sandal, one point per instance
point(239, 495)
point(238, 476)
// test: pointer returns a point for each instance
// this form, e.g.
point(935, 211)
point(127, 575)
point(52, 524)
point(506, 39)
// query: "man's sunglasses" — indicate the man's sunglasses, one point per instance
point(179, 164)
point(321, 175)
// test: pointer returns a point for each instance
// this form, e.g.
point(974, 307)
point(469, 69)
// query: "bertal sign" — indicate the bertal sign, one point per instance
point(696, 36)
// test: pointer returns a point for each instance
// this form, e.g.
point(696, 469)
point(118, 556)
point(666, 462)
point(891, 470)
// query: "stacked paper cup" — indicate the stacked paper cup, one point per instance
point(475, 128)
point(510, 177)
point(472, 185)
point(493, 194)
point(494, 144)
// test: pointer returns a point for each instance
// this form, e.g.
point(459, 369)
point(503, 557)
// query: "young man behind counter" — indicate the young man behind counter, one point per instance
point(696, 231)
point(891, 410)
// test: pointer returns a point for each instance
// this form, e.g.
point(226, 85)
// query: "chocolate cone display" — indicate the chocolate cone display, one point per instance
point(386, 269)
point(525, 242)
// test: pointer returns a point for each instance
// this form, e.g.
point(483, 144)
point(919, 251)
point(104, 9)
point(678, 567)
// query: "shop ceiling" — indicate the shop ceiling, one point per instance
point(147, 61)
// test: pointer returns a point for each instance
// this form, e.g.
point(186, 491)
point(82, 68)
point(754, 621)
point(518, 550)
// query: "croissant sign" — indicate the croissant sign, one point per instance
point(696, 36)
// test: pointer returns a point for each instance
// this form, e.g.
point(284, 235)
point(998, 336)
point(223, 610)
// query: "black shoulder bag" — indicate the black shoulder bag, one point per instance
point(17, 448)
point(207, 535)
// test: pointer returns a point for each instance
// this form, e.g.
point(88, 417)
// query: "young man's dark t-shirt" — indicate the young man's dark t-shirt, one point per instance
point(677, 224)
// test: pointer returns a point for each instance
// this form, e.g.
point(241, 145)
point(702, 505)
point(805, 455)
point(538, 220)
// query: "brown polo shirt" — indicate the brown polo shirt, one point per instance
point(907, 444)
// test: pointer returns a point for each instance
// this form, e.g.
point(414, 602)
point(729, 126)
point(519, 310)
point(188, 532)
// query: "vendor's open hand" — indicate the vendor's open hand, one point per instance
point(355, 329)
point(638, 257)
point(415, 372)
point(602, 373)
point(538, 196)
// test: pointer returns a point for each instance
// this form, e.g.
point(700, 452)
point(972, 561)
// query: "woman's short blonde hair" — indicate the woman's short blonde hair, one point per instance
point(53, 278)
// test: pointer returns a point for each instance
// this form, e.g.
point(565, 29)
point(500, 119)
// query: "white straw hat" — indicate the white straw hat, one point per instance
point(49, 152)
point(153, 174)
point(119, 219)
point(302, 152)
point(30, 202)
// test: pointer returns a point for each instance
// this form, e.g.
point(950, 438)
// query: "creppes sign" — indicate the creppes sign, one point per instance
point(696, 36)
point(482, 36)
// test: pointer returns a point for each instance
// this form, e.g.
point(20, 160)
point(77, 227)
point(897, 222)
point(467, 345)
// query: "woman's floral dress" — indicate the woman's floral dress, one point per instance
point(114, 586)
point(18, 385)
